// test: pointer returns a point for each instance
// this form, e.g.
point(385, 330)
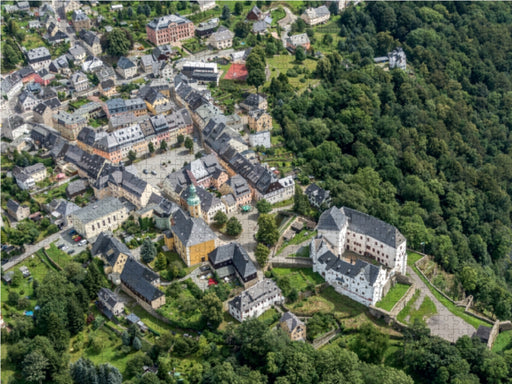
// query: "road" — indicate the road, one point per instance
point(31, 249)
point(444, 324)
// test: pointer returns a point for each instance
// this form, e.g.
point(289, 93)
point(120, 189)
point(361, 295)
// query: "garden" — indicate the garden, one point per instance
point(412, 312)
point(393, 296)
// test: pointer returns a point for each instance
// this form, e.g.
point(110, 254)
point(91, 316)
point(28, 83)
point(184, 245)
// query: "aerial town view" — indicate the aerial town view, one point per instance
point(256, 192)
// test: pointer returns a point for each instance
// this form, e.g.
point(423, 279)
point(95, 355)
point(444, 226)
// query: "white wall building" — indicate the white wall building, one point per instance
point(255, 300)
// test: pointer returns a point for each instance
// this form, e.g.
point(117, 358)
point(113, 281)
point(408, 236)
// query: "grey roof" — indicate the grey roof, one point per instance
point(253, 100)
point(234, 254)
point(222, 34)
point(38, 54)
point(371, 226)
point(98, 209)
point(191, 230)
point(164, 21)
point(138, 278)
point(254, 295)
point(301, 39)
point(89, 37)
point(79, 15)
point(77, 186)
point(13, 205)
point(260, 26)
point(370, 272)
point(65, 207)
point(133, 318)
point(319, 195)
point(332, 220)
point(125, 63)
point(483, 333)
point(291, 320)
point(110, 247)
point(108, 297)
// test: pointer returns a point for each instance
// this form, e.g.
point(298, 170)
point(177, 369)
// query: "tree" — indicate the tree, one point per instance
point(189, 144)
point(76, 316)
point(300, 54)
point(263, 206)
point(370, 344)
point(163, 146)
point(212, 309)
point(161, 262)
point(239, 8)
point(151, 147)
point(118, 42)
point(148, 250)
point(126, 338)
point(132, 156)
point(220, 218)
point(137, 344)
point(255, 64)
point(34, 367)
point(180, 139)
point(242, 29)
point(300, 202)
point(262, 253)
point(233, 227)
point(226, 13)
point(267, 230)
point(17, 278)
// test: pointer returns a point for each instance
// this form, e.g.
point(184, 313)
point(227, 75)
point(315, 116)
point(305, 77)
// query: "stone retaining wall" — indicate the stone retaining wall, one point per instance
point(400, 304)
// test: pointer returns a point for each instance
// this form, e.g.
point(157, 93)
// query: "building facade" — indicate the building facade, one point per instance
point(169, 29)
point(255, 300)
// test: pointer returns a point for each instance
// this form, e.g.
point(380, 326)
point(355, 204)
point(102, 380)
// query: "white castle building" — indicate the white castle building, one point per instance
point(342, 230)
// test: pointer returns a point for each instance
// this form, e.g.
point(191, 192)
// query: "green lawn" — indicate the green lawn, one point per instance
point(282, 63)
point(395, 293)
point(277, 15)
point(300, 237)
point(59, 256)
point(457, 311)
point(426, 310)
point(413, 257)
point(269, 316)
point(183, 310)
point(408, 307)
point(300, 278)
point(151, 321)
point(503, 342)
point(8, 369)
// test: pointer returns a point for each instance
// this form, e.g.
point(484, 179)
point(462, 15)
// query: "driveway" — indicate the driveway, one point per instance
point(444, 324)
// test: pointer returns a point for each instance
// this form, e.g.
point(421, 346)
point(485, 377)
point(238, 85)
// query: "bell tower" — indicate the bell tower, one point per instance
point(194, 203)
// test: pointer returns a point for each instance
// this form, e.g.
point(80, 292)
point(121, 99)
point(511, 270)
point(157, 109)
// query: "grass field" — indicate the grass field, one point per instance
point(268, 317)
point(282, 63)
point(503, 342)
point(457, 311)
point(392, 297)
point(412, 257)
point(408, 307)
point(300, 278)
point(60, 257)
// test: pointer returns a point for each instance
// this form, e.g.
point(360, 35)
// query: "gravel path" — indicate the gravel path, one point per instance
point(444, 324)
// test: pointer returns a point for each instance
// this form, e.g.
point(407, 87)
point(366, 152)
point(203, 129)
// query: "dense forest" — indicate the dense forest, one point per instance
point(427, 149)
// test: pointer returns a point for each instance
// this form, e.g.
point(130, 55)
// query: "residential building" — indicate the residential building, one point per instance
point(60, 209)
point(80, 20)
point(315, 16)
point(293, 326)
point(90, 41)
point(239, 188)
point(78, 54)
point(318, 197)
point(110, 303)
point(206, 28)
point(104, 73)
point(108, 88)
point(120, 106)
point(42, 113)
point(76, 188)
point(205, 5)
point(136, 280)
point(27, 177)
point(60, 65)
point(27, 101)
point(103, 215)
point(126, 68)
point(11, 85)
point(80, 81)
point(254, 101)
point(39, 58)
point(397, 59)
point(169, 29)
point(301, 40)
point(147, 64)
point(193, 240)
point(221, 39)
point(255, 14)
point(67, 6)
point(255, 300)
point(202, 72)
point(68, 124)
point(359, 280)
point(259, 120)
point(261, 27)
point(232, 259)
point(163, 52)
point(347, 229)
point(17, 211)
point(92, 65)
point(260, 139)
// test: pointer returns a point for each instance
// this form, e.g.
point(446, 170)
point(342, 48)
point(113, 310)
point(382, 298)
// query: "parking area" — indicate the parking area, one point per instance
point(67, 244)
point(155, 169)
point(201, 275)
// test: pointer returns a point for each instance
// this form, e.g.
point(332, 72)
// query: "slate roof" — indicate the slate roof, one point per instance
point(13, 205)
point(108, 297)
point(319, 195)
point(164, 21)
point(88, 37)
point(483, 333)
point(110, 247)
point(370, 272)
point(301, 39)
point(64, 207)
point(237, 256)
point(222, 34)
point(125, 63)
point(255, 294)
point(98, 209)
point(191, 230)
point(77, 186)
point(38, 54)
point(139, 278)
point(291, 321)
point(332, 220)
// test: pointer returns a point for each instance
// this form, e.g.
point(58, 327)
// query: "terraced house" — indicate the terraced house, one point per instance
point(169, 29)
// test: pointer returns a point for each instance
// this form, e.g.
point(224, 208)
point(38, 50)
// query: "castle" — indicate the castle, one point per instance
point(358, 254)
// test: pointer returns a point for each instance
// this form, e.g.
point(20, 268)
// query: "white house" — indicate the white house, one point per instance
point(348, 229)
point(255, 300)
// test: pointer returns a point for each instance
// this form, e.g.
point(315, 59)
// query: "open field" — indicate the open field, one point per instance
point(395, 293)
point(503, 342)
point(300, 278)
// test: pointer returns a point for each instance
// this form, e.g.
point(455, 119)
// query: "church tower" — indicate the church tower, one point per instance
point(194, 203)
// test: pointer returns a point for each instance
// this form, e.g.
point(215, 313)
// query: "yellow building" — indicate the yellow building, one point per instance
point(193, 239)
point(259, 120)
point(294, 328)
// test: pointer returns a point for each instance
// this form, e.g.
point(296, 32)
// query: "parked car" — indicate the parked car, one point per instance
point(71, 251)
point(77, 239)
point(145, 171)
point(61, 246)
point(205, 268)
point(153, 173)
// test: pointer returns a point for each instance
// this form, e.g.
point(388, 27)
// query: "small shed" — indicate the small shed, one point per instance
point(483, 333)
point(132, 318)
point(24, 271)
point(7, 277)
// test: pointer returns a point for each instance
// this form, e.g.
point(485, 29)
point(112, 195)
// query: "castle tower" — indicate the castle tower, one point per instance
point(194, 203)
